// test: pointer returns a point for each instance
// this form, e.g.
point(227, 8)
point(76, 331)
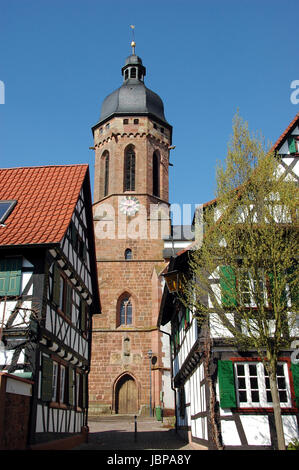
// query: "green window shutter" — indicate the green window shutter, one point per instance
point(228, 286)
point(56, 285)
point(226, 384)
point(10, 276)
point(187, 316)
point(69, 295)
point(47, 377)
point(295, 373)
point(71, 386)
point(84, 391)
point(83, 315)
point(283, 297)
point(292, 144)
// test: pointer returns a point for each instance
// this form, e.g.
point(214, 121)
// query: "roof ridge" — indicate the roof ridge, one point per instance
point(47, 166)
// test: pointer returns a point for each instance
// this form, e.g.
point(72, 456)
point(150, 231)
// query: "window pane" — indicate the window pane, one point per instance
point(129, 313)
point(241, 383)
point(123, 313)
point(255, 396)
point(253, 383)
point(3, 208)
point(283, 396)
point(106, 175)
point(54, 382)
point(281, 382)
point(252, 369)
point(240, 369)
point(61, 294)
point(242, 396)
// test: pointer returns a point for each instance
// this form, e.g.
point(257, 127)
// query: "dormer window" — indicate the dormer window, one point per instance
point(5, 209)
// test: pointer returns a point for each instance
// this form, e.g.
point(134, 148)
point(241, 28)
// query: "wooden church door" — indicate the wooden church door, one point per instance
point(126, 396)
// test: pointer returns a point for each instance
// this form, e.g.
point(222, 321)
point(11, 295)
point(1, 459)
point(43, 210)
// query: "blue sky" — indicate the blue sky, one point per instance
point(206, 59)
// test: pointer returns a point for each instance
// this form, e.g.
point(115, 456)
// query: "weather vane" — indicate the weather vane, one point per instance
point(133, 44)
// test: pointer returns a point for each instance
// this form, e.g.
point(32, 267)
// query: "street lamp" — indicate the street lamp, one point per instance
point(173, 280)
point(150, 354)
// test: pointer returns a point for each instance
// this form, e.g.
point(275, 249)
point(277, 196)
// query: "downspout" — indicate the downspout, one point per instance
point(171, 371)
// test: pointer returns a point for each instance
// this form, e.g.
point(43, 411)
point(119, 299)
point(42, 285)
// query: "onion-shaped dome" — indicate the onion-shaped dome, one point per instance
point(133, 97)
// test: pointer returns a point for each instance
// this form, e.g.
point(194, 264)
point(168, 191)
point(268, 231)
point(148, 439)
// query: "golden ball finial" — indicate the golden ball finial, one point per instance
point(133, 44)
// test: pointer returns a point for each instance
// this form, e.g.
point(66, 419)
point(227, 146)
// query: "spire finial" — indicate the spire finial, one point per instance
point(133, 44)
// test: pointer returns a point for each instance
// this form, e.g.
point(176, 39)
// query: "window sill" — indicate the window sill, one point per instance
point(54, 404)
point(263, 410)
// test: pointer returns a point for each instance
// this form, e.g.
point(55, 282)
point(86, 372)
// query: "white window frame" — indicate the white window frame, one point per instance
point(251, 289)
point(262, 403)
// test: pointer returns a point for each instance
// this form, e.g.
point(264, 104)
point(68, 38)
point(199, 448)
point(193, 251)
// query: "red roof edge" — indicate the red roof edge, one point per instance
point(290, 127)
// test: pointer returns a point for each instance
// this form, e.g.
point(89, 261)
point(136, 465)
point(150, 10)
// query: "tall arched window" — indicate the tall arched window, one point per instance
point(125, 311)
point(129, 169)
point(106, 182)
point(156, 176)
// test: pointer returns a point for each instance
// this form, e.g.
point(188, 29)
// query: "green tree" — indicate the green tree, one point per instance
point(244, 271)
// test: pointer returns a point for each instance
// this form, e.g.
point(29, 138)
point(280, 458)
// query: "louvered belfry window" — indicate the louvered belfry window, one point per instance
point(129, 170)
point(156, 162)
point(106, 185)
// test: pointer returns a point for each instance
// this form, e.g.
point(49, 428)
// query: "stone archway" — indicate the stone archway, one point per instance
point(126, 395)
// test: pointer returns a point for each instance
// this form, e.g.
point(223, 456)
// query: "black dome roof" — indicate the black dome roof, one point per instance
point(133, 97)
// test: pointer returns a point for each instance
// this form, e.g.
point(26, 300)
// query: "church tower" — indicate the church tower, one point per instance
point(131, 218)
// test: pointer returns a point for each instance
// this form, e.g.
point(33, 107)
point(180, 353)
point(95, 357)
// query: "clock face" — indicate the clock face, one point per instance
point(129, 205)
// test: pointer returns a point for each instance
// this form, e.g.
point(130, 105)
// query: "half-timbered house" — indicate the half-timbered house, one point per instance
point(48, 292)
point(223, 397)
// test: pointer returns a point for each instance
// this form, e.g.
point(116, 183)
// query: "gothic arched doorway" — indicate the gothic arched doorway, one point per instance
point(126, 396)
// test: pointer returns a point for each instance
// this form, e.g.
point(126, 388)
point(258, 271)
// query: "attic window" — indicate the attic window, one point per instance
point(5, 209)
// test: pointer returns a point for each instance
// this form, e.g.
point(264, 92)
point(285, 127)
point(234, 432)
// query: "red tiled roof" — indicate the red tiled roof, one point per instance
point(46, 197)
point(285, 133)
